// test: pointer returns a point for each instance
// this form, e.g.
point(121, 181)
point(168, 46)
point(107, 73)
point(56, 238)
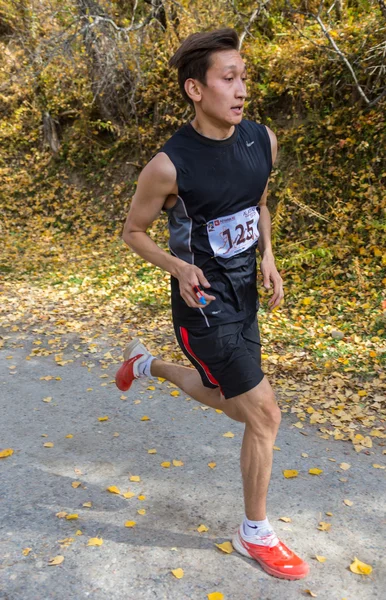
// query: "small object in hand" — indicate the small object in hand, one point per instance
point(199, 295)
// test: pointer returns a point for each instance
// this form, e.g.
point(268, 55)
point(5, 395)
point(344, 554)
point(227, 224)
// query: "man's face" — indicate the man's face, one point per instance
point(223, 97)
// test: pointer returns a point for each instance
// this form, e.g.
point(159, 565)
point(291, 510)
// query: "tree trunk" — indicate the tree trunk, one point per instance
point(339, 9)
point(382, 6)
point(50, 134)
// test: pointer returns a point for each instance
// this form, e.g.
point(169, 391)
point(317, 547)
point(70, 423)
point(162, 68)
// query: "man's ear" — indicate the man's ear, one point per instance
point(193, 90)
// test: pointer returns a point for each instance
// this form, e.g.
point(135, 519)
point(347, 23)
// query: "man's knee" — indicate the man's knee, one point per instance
point(258, 408)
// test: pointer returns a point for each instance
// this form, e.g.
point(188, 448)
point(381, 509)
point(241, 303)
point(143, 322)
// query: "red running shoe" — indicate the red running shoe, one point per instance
point(277, 560)
point(134, 355)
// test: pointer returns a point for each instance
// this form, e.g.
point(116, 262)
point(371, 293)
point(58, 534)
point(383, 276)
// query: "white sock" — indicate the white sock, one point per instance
point(144, 367)
point(260, 529)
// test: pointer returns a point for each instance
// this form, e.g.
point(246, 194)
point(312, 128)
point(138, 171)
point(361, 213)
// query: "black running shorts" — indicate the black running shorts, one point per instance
point(226, 356)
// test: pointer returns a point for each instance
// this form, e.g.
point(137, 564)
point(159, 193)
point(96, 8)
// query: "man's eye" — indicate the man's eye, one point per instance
point(228, 78)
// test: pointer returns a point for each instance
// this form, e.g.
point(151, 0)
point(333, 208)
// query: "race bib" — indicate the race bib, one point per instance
point(233, 234)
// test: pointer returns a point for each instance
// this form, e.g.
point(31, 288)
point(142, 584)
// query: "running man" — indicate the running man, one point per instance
point(211, 178)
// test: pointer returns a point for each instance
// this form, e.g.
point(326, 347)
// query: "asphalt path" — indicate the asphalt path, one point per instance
point(36, 483)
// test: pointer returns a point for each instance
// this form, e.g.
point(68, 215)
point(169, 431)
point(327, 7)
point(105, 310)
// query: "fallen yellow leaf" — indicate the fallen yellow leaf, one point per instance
point(57, 560)
point(103, 418)
point(6, 452)
point(288, 473)
point(48, 445)
point(378, 466)
point(71, 517)
point(128, 495)
point(130, 524)
point(178, 463)
point(87, 504)
point(285, 519)
point(323, 526)
point(48, 399)
point(175, 393)
point(229, 434)
point(320, 559)
point(69, 436)
point(315, 471)
point(26, 551)
point(276, 448)
point(113, 489)
point(225, 547)
point(310, 593)
point(179, 573)
point(76, 484)
point(165, 464)
point(215, 596)
point(61, 514)
point(348, 502)
point(360, 568)
point(152, 451)
point(202, 528)
point(344, 466)
point(145, 418)
point(141, 511)
point(212, 465)
point(135, 478)
point(78, 532)
point(151, 387)
point(66, 542)
point(95, 541)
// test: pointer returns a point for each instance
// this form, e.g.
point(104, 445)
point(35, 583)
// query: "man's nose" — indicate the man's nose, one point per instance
point(241, 91)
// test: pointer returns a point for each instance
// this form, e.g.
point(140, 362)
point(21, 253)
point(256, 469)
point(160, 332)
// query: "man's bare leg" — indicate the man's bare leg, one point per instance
point(189, 380)
point(261, 414)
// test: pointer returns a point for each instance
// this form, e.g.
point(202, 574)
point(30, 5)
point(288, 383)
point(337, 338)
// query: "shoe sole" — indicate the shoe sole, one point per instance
point(237, 545)
point(129, 348)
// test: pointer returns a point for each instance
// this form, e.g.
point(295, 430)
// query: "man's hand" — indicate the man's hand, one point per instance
point(188, 277)
point(270, 273)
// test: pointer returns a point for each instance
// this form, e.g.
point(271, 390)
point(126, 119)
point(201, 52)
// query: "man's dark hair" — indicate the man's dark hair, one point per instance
point(192, 58)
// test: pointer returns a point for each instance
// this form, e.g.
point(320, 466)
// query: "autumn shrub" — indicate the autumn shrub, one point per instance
point(326, 190)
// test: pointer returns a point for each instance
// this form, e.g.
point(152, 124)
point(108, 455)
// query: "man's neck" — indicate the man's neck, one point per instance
point(211, 130)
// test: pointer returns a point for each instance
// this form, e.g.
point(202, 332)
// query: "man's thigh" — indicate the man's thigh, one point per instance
point(227, 356)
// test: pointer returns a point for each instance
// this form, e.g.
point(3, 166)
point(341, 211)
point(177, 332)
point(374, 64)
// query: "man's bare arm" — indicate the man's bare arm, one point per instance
point(156, 182)
point(267, 266)
point(264, 243)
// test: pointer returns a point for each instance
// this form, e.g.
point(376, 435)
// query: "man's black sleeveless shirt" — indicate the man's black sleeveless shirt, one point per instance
point(214, 223)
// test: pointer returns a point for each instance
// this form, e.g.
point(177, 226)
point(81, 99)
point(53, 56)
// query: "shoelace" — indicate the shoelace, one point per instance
point(269, 540)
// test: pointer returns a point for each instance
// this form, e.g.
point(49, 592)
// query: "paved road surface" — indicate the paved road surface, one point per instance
point(136, 563)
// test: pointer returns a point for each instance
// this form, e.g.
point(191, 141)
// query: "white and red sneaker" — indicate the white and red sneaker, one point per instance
point(274, 556)
point(135, 355)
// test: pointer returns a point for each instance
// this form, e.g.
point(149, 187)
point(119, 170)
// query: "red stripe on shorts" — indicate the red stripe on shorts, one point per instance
point(185, 340)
